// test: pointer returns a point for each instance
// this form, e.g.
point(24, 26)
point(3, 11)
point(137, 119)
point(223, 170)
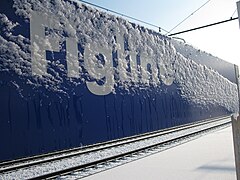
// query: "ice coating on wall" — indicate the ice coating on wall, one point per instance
point(201, 57)
point(204, 86)
point(71, 75)
point(131, 42)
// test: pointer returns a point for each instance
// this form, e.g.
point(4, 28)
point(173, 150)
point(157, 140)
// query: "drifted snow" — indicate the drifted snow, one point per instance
point(197, 83)
point(201, 57)
point(209, 157)
point(202, 85)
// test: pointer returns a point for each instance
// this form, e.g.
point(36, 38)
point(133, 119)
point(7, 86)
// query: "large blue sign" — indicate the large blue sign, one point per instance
point(72, 76)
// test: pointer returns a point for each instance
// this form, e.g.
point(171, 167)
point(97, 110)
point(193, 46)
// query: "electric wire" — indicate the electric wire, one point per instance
point(153, 25)
point(124, 15)
point(233, 13)
point(188, 17)
point(213, 24)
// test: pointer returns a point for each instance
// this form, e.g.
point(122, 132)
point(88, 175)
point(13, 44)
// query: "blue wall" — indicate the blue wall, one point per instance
point(35, 119)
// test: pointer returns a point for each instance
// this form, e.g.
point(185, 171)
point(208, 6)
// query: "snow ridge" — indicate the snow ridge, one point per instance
point(143, 59)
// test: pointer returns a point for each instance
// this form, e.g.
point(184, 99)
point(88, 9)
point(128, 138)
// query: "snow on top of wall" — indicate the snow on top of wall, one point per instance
point(201, 57)
point(204, 86)
point(197, 83)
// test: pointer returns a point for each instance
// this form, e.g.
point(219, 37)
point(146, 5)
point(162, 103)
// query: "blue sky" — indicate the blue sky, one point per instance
point(222, 41)
point(166, 13)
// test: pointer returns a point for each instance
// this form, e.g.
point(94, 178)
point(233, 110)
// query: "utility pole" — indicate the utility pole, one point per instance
point(236, 128)
point(236, 120)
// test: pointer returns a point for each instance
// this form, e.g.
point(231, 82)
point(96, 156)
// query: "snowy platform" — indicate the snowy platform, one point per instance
point(206, 158)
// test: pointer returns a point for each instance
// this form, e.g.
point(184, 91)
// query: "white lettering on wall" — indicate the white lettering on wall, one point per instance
point(99, 68)
point(40, 43)
point(98, 60)
point(146, 62)
point(72, 58)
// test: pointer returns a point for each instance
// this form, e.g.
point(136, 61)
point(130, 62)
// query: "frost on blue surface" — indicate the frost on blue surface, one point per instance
point(67, 70)
point(201, 57)
point(197, 83)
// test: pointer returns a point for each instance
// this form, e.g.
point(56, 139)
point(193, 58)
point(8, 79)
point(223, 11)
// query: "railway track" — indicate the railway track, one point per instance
point(53, 165)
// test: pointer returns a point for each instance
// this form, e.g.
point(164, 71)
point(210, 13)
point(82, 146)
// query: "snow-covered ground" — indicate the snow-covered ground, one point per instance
point(65, 163)
point(209, 157)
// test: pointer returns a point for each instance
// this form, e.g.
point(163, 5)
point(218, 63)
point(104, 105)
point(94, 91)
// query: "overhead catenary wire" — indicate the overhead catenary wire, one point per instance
point(124, 15)
point(201, 27)
point(188, 17)
point(234, 13)
point(156, 26)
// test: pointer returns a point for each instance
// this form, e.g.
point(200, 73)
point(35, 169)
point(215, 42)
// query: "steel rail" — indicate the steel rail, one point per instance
point(36, 160)
point(67, 171)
